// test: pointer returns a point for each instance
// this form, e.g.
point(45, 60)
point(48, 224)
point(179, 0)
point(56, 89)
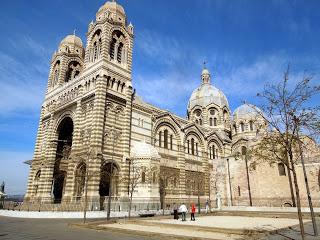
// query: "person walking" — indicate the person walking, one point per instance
point(183, 209)
point(175, 212)
point(207, 206)
point(193, 210)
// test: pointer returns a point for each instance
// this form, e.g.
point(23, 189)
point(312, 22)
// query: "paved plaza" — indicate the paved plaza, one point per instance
point(205, 227)
point(53, 229)
point(218, 227)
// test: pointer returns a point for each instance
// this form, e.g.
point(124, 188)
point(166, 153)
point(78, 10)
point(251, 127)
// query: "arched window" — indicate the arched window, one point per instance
point(210, 153)
point(175, 182)
point(188, 142)
point(117, 49)
point(213, 152)
point(225, 115)
point(251, 125)
point(215, 122)
point(212, 111)
point(197, 122)
point(281, 169)
point(192, 146)
point(243, 151)
point(239, 191)
point(154, 177)
point(197, 112)
point(56, 72)
point(171, 142)
point(242, 126)
point(210, 121)
point(112, 48)
point(56, 76)
point(119, 54)
point(235, 129)
point(160, 137)
point(95, 51)
point(143, 177)
point(200, 121)
point(73, 71)
point(165, 141)
point(197, 153)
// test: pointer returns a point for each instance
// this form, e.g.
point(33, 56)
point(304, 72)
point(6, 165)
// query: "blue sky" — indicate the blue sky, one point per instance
point(246, 44)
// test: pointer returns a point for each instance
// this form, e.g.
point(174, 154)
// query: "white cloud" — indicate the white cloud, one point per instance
point(23, 82)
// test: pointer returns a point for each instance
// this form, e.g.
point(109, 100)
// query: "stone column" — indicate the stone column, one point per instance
point(49, 161)
point(206, 171)
point(96, 140)
point(125, 143)
point(75, 151)
point(36, 161)
point(182, 173)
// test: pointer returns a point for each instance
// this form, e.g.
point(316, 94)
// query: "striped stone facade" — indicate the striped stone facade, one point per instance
point(90, 92)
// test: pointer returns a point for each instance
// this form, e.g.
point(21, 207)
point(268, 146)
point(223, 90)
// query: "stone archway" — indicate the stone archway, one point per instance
point(108, 178)
point(64, 144)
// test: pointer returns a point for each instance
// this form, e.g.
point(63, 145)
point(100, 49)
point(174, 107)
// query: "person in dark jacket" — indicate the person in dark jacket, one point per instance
point(175, 212)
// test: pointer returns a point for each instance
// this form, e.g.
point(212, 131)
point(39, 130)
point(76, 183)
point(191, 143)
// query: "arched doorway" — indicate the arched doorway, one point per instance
point(64, 132)
point(108, 177)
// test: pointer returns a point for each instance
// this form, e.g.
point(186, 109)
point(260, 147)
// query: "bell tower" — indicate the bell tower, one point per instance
point(67, 62)
point(110, 39)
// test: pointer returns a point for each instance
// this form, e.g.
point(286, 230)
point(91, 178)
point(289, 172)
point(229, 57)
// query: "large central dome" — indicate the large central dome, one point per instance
point(207, 94)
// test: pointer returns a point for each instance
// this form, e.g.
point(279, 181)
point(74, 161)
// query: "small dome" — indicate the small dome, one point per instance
point(207, 94)
point(144, 150)
point(72, 40)
point(205, 71)
point(113, 7)
point(246, 111)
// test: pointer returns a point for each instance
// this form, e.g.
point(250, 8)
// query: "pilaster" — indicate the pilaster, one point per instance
point(96, 142)
point(49, 161)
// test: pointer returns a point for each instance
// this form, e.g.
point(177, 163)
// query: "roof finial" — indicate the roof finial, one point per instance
point(204, 64)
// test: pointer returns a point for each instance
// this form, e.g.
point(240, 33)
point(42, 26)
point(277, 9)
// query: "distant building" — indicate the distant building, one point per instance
point(92, 124)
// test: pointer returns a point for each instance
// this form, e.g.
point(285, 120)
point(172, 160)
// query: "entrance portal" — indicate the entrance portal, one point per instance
point(65, 131)
point(108, 178)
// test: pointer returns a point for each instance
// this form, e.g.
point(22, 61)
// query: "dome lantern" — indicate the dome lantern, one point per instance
point(111, 10)
point(207, 94)
point(205, 76)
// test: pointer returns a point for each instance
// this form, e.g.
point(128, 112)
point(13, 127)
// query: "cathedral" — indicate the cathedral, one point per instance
point(95, 131)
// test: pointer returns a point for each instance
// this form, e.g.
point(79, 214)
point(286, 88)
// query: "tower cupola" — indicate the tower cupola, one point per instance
point(205, 76)
point(71, 44)
point(113, 11)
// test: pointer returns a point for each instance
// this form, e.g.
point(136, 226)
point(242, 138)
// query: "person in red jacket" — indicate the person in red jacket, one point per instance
point(193, 210)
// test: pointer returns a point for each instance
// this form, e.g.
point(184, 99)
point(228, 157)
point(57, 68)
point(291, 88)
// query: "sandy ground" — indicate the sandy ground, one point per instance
point(235, 222)
point(188, 228)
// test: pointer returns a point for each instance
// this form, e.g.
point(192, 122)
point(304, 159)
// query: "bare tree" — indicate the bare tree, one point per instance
point(138, 175)
point(166, 175)
point(282, 106)
point(269, 150)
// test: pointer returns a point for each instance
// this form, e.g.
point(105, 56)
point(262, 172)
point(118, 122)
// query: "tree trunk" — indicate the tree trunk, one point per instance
point(248, 181)
point(291, 188)
point(130, 205)
point(297, 197)
point(199, 208)
point(315, 230)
